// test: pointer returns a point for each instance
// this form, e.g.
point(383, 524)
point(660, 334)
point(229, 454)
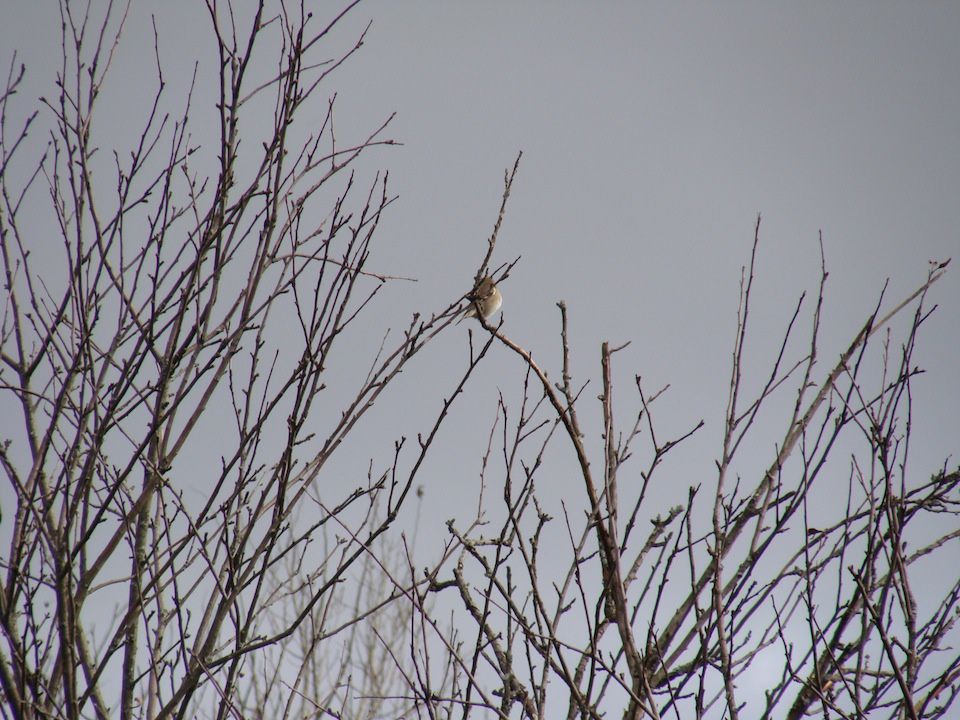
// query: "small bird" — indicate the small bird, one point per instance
point(485, 300)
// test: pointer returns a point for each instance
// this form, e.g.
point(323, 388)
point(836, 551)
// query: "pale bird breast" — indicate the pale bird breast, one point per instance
point(493, 303)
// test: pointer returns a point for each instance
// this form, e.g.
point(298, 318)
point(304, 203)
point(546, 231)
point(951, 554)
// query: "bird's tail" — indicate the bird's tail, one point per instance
point(470, 312)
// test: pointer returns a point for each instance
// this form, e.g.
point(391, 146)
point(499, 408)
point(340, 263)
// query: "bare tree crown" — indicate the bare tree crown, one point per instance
point(198, 291)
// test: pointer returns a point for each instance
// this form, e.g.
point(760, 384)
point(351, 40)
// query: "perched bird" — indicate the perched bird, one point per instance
point(485, 300)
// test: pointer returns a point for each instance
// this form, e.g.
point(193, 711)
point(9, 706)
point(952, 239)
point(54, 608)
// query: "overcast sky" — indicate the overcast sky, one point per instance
point(653, 135)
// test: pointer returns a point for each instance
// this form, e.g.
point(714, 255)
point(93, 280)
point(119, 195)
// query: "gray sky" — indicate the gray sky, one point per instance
point(652, 136)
